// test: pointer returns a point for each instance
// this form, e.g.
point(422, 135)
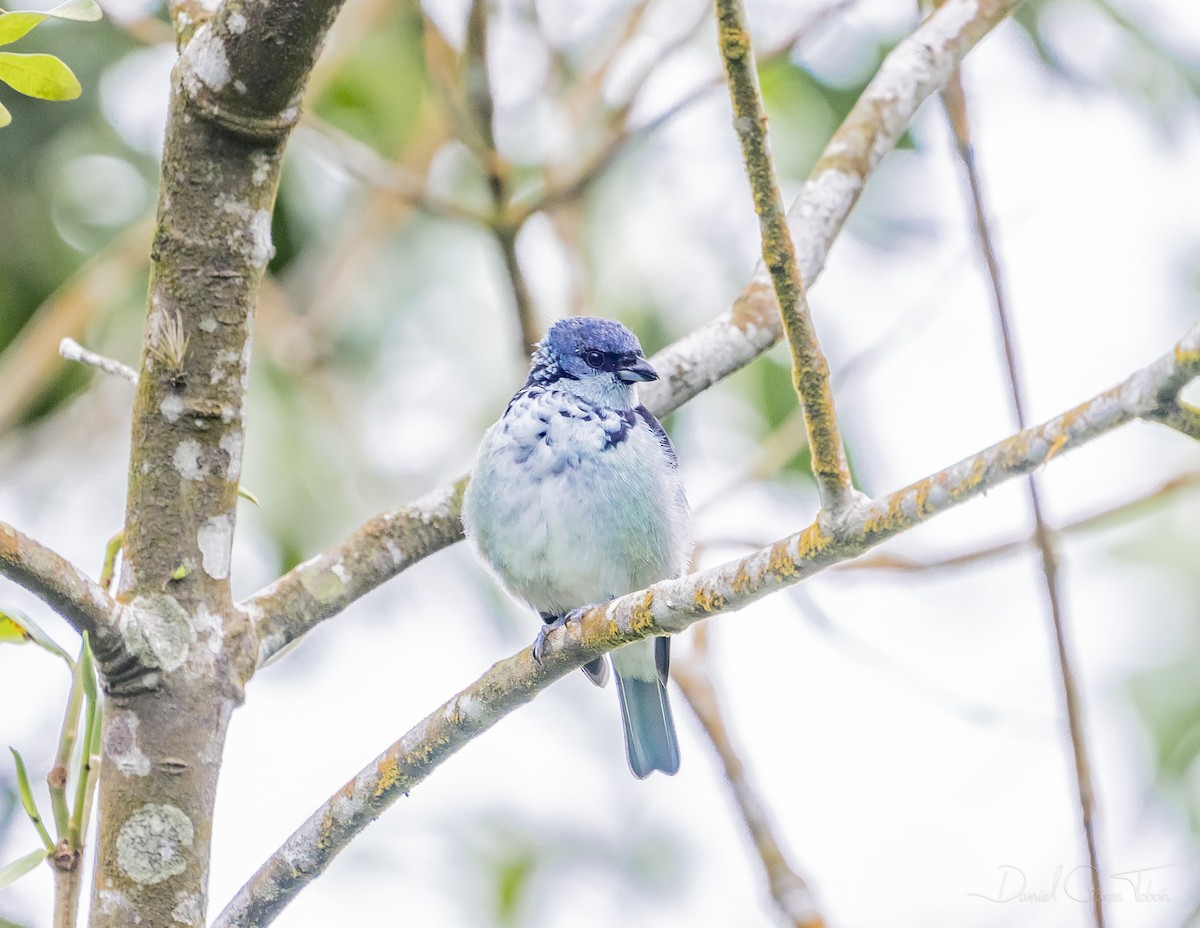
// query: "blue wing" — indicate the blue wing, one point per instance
point(664, 440)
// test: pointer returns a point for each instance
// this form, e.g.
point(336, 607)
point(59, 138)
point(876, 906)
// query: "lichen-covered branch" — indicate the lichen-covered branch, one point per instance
point(1181, 417)
point(790, 892)
point(1115, 514)
point(915, 68)
point(235, 95)
point(810, 371)
point(326, 584)
point(669, 607)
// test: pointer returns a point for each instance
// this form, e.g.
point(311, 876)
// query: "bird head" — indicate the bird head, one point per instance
point(597, 359)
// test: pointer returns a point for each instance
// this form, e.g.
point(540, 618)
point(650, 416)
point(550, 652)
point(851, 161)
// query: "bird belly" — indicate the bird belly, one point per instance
point(578, 526)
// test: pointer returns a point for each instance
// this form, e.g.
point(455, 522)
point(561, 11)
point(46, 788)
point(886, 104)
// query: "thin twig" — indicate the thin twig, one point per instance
point(1182, 417)
point(886, 664)
point(669, 607)
point(71, 350)
point(59, 584)
point(1097, 520)
point(955, 102)
point(67, 884)
point(29, 361)
point(792, 895)
point(365, 163)
point(810, 371)
point(482, 107)
point(624, 136)
point(551, 197)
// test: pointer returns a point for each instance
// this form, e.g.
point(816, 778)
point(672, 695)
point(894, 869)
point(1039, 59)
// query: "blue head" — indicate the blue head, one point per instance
point(596, 359)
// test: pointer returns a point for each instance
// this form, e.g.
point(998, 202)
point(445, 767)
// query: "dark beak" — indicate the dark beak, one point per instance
point(633, 370)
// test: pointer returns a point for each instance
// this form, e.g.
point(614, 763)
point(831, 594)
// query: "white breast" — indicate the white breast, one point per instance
point(570, 504)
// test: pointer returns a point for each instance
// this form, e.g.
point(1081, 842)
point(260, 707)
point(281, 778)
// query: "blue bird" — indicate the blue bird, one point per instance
point(575, 499)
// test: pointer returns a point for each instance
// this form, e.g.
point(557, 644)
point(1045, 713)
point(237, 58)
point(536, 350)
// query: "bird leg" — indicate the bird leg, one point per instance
point(596, 669)
point(551, 623)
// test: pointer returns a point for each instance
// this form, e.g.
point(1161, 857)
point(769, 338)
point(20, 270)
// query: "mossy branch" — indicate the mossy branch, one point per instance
point(810, 370)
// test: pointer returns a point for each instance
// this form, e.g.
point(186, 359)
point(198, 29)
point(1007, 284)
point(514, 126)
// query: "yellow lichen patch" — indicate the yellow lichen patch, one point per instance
point(973, 479)
point(389, 776)
point(641, 618)
point(742, 581)
point(783, 564)
point(735, 42)
point(812, 542)
point(324, 836)
point(891, 520)
point(1069, 422)
point(1056, 447)
point(709, 600)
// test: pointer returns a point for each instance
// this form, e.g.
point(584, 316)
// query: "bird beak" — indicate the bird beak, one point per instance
point(635, 370)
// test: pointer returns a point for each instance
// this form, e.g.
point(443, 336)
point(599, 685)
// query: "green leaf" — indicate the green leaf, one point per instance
point(5, 116)
point(27, 802)
point(79, 11)
point(41, 76)
point(14, 25)
point(17, 627)
point(22, 865)
point(87, 668)
point(18, 23)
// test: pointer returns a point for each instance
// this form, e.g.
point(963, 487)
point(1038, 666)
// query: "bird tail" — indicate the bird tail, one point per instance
point(650, 741)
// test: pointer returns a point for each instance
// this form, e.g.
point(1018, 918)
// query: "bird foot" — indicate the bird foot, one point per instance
point(560, 621)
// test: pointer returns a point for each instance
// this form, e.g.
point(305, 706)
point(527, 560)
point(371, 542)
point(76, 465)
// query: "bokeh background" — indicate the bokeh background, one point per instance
point(904, 726)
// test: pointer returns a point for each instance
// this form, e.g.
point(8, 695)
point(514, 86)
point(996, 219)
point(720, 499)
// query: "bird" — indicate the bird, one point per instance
point(575, 498)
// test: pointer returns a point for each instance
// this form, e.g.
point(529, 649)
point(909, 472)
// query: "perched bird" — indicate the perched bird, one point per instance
point(576, 499)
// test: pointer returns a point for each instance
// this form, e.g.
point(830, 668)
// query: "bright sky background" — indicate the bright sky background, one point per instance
point(911, 750)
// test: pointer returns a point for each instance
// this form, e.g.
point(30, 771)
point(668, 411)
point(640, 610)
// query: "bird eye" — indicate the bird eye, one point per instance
point(593, 357)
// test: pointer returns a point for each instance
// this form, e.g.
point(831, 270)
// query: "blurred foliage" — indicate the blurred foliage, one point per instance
point(513, 865)
point(377, 93)
point(1167, 696)
point(370, 288)
point(1143, 67)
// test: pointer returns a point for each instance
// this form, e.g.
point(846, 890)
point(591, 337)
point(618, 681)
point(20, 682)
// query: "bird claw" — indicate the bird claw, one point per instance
point(539, 643)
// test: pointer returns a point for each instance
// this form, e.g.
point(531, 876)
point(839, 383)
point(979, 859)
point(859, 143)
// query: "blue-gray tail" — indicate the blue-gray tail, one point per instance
point(650, 742)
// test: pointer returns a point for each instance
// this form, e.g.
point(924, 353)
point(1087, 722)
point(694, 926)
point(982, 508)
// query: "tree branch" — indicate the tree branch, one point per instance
point(954, 100)
point(377, 551)
point(71, 350)
point(810, 370)
point(914, 69)
point(235, 95)
point(882, 562)
point(789, 890)
point(62, 586)
point(1181, 417)
point(481, 106)
point(669, 607)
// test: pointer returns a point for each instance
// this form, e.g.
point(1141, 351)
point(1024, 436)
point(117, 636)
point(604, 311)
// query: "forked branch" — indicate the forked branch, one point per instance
point(673, 605)
point(914, 69)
